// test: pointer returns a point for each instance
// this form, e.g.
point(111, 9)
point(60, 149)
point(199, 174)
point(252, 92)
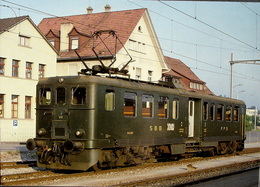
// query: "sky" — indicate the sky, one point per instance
point(203, 35)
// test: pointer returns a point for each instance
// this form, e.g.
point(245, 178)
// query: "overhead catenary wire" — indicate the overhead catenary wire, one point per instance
point(147, 44)
point(210, 26)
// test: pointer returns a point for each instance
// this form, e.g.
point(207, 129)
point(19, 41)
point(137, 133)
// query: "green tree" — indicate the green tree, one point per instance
point(249, 123)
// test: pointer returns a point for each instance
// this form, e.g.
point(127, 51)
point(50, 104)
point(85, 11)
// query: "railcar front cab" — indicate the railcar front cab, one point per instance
point(59, 143)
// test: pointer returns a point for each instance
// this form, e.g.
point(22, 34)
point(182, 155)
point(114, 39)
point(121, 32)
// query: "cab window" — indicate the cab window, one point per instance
point(45, 96)
point(60, 93)
point(78, 95)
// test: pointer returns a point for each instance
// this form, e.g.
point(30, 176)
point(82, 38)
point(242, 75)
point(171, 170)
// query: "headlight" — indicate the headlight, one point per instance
point(79, 133)
point(41, 132)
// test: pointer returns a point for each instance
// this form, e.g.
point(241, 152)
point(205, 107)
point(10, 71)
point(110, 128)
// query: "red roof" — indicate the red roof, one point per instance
point(123, 22)
point(8, 23)
point(179, 70)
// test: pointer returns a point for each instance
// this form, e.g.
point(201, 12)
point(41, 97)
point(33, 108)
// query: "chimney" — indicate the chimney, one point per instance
point(107, 8)
point(65, 28)
point(89, 10)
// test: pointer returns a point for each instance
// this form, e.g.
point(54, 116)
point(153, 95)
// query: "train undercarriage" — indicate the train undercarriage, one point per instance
point(73, 156)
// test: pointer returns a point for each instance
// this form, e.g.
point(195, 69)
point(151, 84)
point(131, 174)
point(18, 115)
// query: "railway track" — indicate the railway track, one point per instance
point(204, 174)
point(41, 177)
point(14, 165)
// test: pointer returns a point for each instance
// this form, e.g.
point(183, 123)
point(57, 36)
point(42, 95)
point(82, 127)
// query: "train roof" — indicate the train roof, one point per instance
point(132, 85)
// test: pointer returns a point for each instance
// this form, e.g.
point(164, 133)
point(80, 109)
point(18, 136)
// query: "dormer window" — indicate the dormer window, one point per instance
point(196, 86)
point(52, 41)
point(75, 43)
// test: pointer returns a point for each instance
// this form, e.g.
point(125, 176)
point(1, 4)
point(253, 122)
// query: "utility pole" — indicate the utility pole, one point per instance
point(256, 113)
point(231, 75)
point(232, 62)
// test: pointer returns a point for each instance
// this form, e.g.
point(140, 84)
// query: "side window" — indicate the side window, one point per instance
point(129, 104)
point(45, 96)
point(60, 94)
point(220, 112)
point(236, 113)
point(163, 104)
point(205, 111)
point(78, 96)
point(228, 113)
point(147, 106)
point(110, 100)
point(175, 109)
point(212, 112)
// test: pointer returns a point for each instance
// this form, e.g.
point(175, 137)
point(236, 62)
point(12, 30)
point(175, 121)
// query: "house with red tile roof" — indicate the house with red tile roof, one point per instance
point(182, 76)
point(134, 47)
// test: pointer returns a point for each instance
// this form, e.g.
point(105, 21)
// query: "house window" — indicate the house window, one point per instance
point(150, 75)
point(41, 70)
point(138, 73)
point(52, 41)
point(14, 109)
point(15, 68)
point(2, 66)
point(140, 29)
point(147, 106)
point(28, 70)
point(163, 103)
point(137, 46)
point(191, 85)
point(24, 40)
point(1, 105)
point(28, 107)
point(129, 104)
point(74, 43)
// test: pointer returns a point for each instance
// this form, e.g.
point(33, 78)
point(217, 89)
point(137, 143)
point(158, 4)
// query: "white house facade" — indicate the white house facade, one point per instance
point(25, 56)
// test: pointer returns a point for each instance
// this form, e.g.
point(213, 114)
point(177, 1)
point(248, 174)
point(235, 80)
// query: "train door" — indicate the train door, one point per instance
point(60, 118)
point(191, 118)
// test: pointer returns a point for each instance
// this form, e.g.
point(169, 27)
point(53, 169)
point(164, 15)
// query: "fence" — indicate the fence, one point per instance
point(252, 136)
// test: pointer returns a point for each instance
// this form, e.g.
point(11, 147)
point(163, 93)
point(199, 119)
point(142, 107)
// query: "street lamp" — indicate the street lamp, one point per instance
point(234, 87)
point(240, 92)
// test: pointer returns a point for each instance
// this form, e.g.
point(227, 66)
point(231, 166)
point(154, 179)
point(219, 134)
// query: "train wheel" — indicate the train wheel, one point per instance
point(96, 167)
point(212, 152)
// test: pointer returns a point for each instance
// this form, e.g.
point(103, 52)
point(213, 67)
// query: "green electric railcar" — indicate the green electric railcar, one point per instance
point(92, 121)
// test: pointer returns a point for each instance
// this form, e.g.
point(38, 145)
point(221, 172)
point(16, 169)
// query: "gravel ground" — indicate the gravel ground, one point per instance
point(138, 173)
point(117, 178)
